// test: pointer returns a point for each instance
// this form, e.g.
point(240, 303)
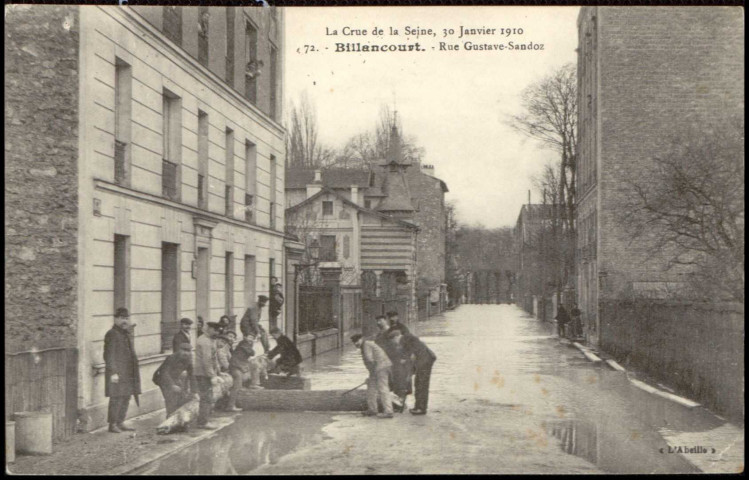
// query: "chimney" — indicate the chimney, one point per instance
point(529, 197)
point(355, 195)
point(316, 185)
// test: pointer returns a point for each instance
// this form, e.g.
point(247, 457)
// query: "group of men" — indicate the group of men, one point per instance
point(569, 324)
point(182, 377)
point(393, 358)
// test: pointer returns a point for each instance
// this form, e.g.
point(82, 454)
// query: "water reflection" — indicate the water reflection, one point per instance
point(255, 439)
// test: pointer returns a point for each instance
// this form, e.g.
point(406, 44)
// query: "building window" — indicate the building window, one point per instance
point(327, 207)
point(250, 158)
point(271, 271)
point(230, 11)
point(229, 163)
point(273, 81)
point(169, 293)
point(367, 203)
point(346, 247)
point(327, 248)
point(122, 121)
point(172, 143)
point(252, 63)
point(121, 272)
point(229, 283)
point(249, 280)
point(273, 191)
point(202, 159)
point(203, 21)
point(173, 24)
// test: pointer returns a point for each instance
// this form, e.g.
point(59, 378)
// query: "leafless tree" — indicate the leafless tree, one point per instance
point(550, 117)
point(692, 198)
point(368, 149)
point(303, 147)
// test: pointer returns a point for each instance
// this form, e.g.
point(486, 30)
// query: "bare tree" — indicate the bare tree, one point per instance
point(368, 149)
point(303, 147)
point(692, 198)
point(550, 117)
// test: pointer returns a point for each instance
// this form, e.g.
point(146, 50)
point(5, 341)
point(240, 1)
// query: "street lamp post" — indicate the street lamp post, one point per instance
point(314, 251)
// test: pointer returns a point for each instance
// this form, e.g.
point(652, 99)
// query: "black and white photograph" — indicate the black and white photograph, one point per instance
point(251, 239)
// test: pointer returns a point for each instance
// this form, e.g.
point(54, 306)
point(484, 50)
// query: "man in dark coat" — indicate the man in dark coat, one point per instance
point(239, 368)
point(183, 336)
point(396, 324)
point(122, 373)
point(563, 320)
point(290, 356)
point(176, 388)
point(423, 359)
point(250, 323)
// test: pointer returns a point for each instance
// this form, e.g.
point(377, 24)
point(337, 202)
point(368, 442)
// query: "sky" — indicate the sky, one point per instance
point(457, 104)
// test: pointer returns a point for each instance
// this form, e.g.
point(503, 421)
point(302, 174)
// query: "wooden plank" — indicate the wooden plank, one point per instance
point(302, 400)
point(282, 382)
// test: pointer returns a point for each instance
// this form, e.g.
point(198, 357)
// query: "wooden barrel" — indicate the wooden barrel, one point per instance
point(302, 400)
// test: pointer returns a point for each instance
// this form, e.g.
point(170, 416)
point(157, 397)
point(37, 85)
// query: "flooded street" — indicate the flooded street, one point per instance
point(506, 397)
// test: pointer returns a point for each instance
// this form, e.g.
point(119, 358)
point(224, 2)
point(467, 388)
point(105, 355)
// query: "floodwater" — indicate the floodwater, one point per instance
point(497, 356)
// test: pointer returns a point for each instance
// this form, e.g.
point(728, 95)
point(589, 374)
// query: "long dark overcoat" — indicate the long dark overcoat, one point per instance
point(120, 358)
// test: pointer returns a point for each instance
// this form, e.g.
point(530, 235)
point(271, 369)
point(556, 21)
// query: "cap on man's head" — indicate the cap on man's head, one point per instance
point(262, 298)
point(379, 317)
point(392, 314)
point(275, 330)
point(185, 321)
point(232, 333)
point(394, 332)
point(122, 312)
point(184, 346)
point(214, 325)
point(355, 338)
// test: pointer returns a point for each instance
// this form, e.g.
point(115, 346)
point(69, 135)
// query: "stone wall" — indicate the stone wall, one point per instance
point(41, 184)
point(698, 349)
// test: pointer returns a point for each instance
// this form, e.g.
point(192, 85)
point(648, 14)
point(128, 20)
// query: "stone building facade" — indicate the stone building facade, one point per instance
point(643, 74)
point(159, 177)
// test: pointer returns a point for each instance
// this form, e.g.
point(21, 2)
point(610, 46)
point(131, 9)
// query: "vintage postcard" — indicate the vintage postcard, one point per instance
point(250, 239)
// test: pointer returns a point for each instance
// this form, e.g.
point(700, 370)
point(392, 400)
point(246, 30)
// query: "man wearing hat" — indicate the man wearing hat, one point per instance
point(206, 371)
point(183, 336)
point(122, 374)
point(175, 388)
point(250, 323)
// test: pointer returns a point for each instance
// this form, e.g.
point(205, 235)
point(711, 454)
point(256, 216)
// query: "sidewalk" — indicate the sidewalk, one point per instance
point(104, 453)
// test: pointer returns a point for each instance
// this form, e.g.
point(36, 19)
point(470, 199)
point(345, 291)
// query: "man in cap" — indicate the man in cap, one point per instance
point(395, 322)
point(122, 373)
point(206, 371)
point(175, 387)
point(183, 336)
point(250, 323)
point(423, 359)
point(378, 364)
point(240, 369)
point(224, 346)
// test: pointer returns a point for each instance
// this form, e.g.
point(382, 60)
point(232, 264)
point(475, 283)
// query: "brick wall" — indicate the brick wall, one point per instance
point(661, 69)
point(430, 217)
point(697, 349)
point(41, 185)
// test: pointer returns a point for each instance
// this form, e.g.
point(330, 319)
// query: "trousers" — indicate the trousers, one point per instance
point(172, 399)
point(421, 383)
point(378, 389)
point(117, 411)
point(205, 391)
